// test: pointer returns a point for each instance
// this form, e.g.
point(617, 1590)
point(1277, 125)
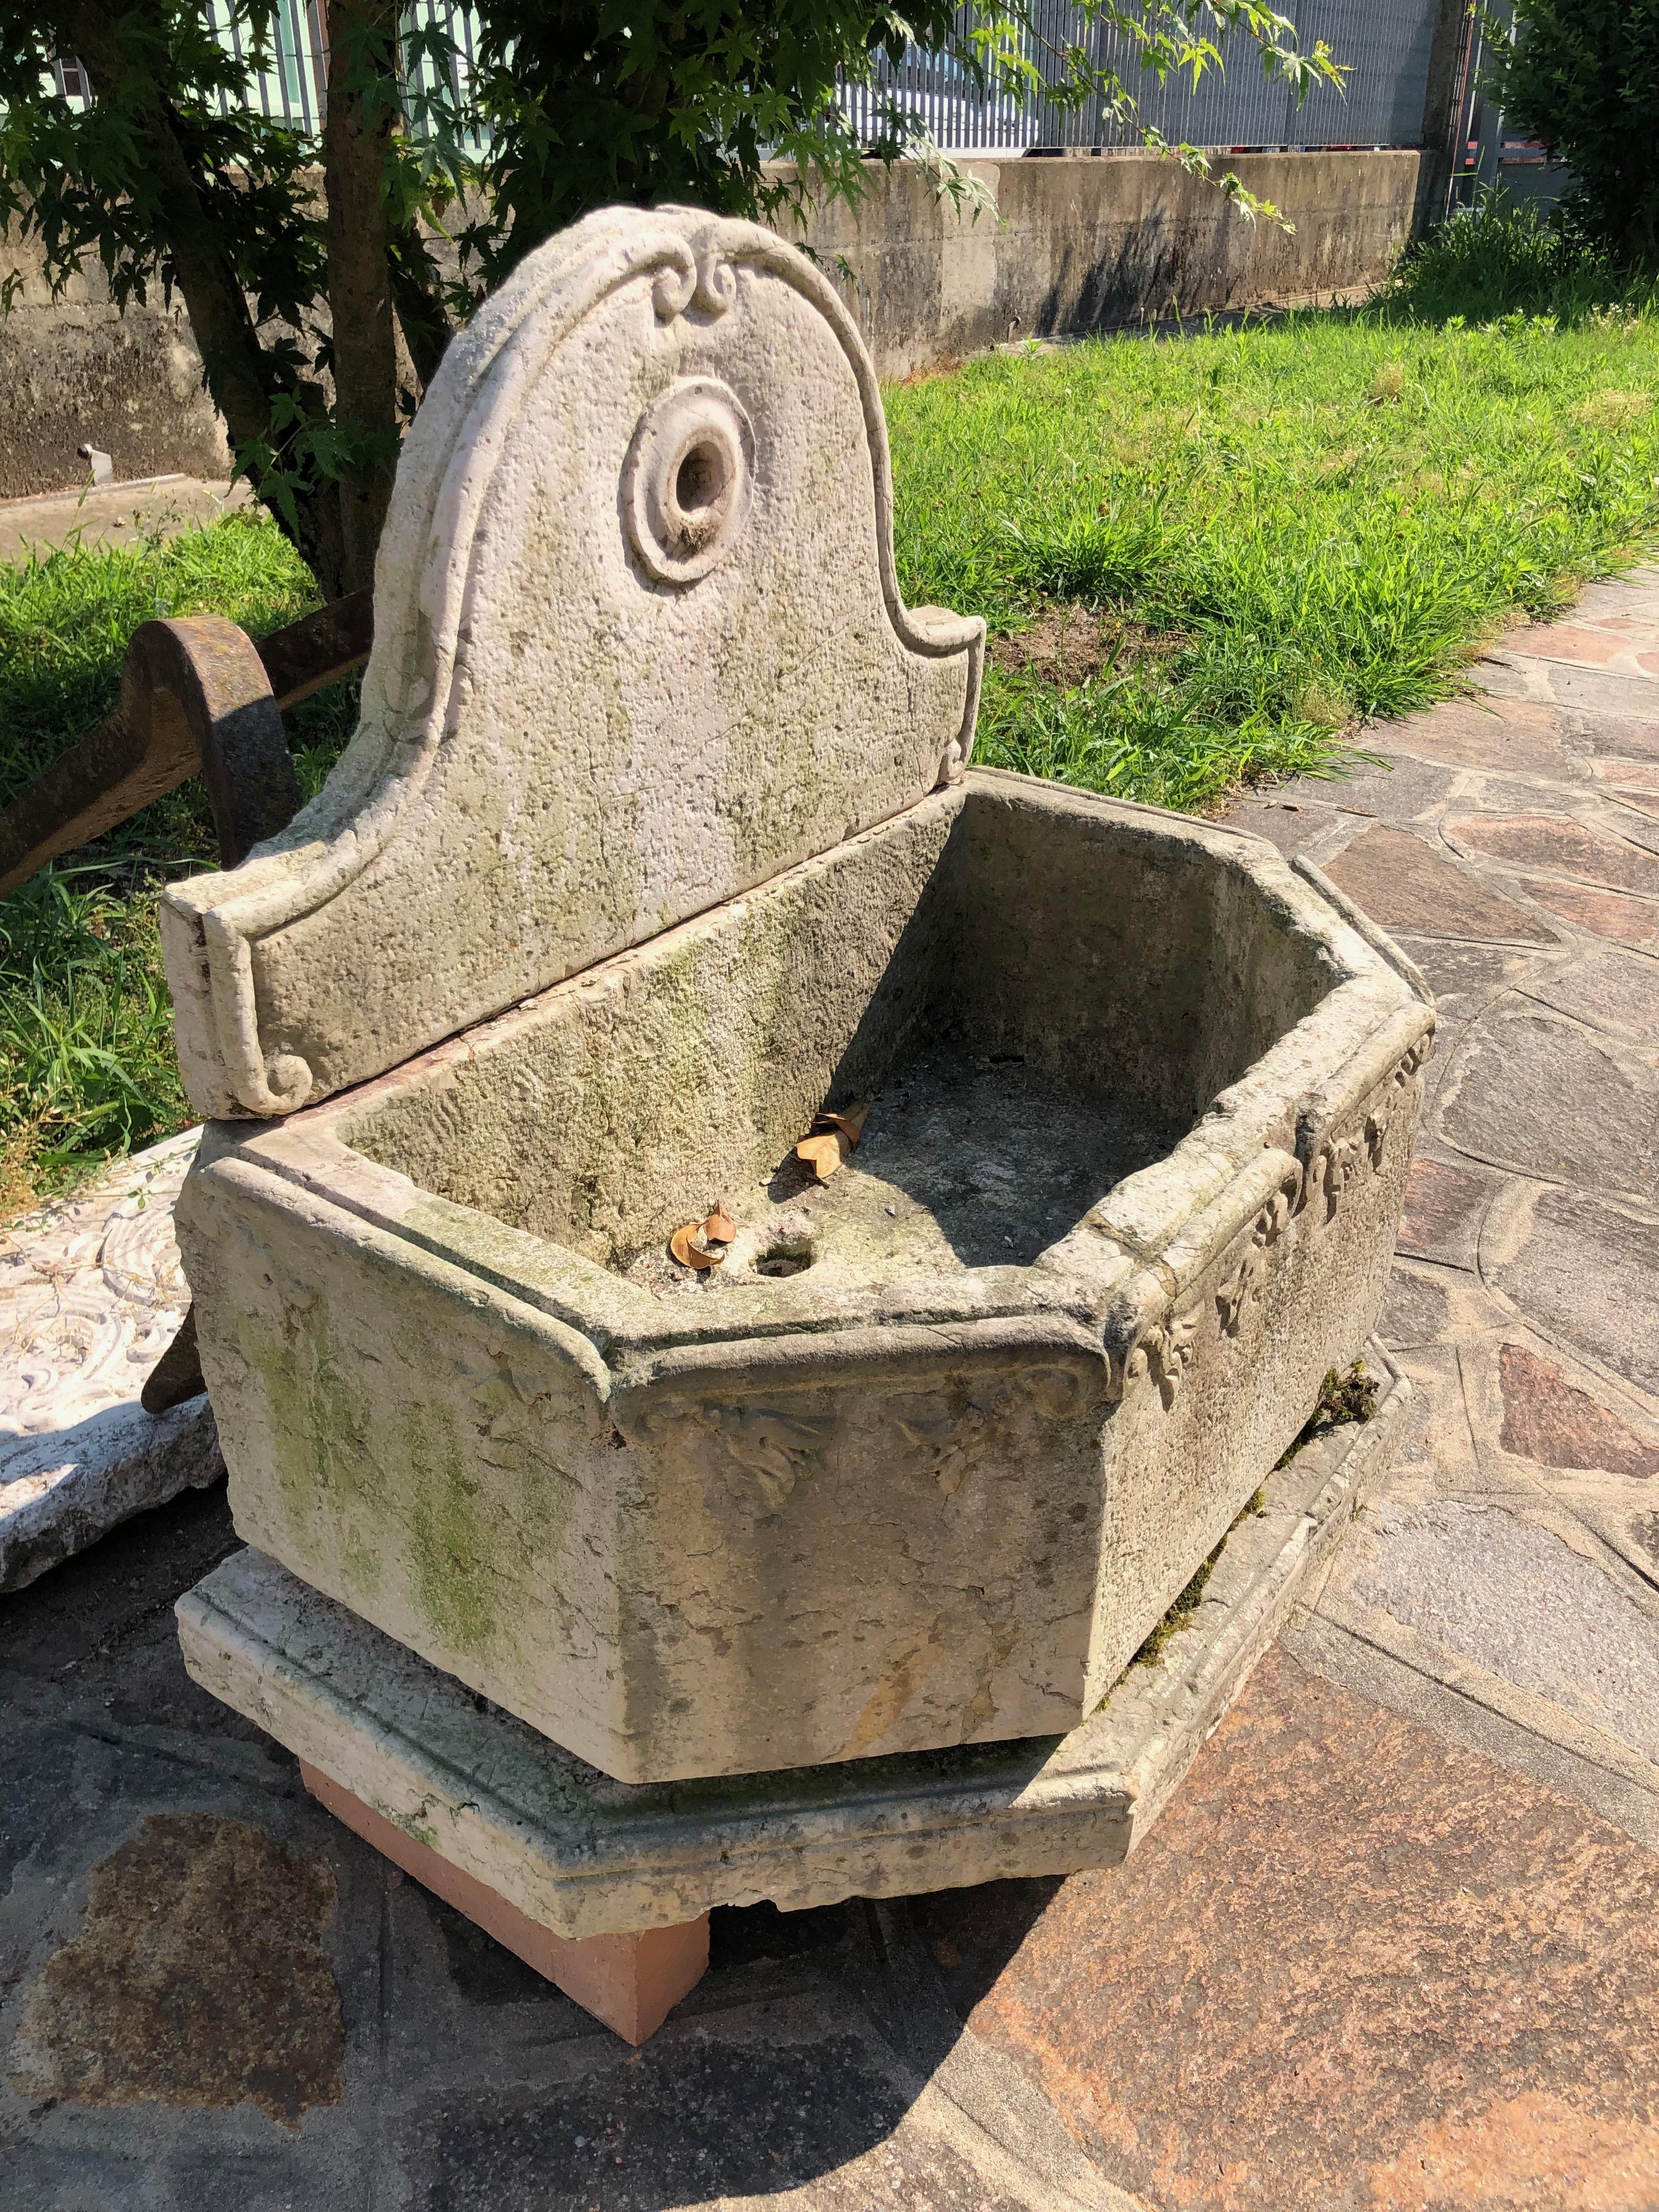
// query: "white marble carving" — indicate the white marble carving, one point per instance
point(91, 1295)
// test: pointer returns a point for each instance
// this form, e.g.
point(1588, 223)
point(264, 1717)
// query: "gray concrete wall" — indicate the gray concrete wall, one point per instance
point(1083, 242)
point(1078, 243)
point(74, 372)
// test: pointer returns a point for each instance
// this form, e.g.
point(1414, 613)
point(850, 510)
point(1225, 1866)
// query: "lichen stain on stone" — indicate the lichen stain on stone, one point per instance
point(198, 1979)
point(318, 1423)
point(453, 1573)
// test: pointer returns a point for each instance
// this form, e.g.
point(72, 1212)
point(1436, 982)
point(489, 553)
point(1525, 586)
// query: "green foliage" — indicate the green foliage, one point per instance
point(570, 107)
point(66, 616)
point(1345, 1396)
point(86, 1065)
point(1281, 539)
point(585, 104)
point(1583, 76)
point(1495, 258)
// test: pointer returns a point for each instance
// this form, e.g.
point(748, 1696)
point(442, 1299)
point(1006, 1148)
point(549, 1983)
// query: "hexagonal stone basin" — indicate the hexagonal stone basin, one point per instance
point(1128, 1190)
point(658, 835)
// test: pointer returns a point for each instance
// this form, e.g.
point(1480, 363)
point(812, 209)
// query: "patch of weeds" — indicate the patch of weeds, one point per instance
point(1180, 1612)
point(1345, 1395)
point(1188, 1603)
point(86, 1065)
point(1205, 561)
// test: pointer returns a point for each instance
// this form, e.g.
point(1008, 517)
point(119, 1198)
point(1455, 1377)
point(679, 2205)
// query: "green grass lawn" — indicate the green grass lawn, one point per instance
point(1205, 561)
point(86, 1065)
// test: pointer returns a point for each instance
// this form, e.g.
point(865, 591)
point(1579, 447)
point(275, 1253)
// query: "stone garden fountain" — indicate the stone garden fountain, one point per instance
point(597, 1589)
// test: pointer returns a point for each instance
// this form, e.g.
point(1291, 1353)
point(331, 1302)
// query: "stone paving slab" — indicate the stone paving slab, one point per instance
point(1356, 1966)
point(1525, 1302)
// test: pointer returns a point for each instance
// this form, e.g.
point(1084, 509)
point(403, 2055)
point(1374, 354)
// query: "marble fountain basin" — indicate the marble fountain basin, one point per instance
point(924, 1461)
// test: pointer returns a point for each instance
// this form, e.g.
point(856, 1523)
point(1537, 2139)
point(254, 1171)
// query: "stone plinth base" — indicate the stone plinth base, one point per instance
point(532, 1840)
point(631, 1983)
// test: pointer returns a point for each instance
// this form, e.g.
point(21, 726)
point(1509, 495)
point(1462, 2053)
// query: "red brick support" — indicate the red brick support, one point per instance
point(630, 1981)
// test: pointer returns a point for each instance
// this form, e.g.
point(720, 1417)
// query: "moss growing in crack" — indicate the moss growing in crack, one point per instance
point(1345, 1395)
point(1179, 1613)
point(1187, 1604)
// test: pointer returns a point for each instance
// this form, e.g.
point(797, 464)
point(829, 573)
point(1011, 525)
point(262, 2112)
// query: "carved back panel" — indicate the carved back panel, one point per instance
point(639, 646)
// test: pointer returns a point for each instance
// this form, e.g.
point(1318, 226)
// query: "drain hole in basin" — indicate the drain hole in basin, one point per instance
point(789, 1255)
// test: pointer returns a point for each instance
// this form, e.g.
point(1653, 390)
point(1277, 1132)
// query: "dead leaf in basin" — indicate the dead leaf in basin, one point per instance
point(849, 1124)
point(719, 1228)
point(833, 1136)
point(686, 1245)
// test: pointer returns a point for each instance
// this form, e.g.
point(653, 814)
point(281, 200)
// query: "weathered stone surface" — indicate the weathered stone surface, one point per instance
point(1533, 1090)
point(1605, 913)
point(1397, 790)
point(199, 1978)
point(1404, 884)
point(1416, 1311)
point(633, 1515)
point(1502, 734)
point(1143, 1095)
point(1539, 1615)
point(1629, 775)
point(1558, 844)
point(91, 1294)
point(1588, 644)
point(1287, 825)
point(639, 645)
point(1615, 990)
point(580, 1855)
point(1444, 1205)
point(1460, 976)
point(1584, 1270)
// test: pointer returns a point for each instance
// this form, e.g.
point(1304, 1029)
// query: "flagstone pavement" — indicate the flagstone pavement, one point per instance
point(1393, 1947)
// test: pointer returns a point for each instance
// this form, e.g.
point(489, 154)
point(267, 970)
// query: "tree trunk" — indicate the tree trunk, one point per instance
point(362, 110)
point(239, 374)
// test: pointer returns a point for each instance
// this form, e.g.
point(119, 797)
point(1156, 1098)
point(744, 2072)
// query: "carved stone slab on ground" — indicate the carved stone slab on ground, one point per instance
point(91, 1294)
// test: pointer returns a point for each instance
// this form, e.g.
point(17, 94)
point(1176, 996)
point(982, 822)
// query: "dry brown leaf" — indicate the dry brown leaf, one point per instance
point(825, 1153)
point(850, 1123)
point(687, 1247)
point(719, 1228)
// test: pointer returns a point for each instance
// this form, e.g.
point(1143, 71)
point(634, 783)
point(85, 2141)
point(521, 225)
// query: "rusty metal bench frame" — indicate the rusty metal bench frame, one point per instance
point(198, 696)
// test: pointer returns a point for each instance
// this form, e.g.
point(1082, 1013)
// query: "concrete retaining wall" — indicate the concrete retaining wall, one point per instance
point(1078, 243)
point(1085, 242)
point(75, 372)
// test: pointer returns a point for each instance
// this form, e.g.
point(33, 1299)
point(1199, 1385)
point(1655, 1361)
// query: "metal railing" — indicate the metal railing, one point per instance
point(1384, 45)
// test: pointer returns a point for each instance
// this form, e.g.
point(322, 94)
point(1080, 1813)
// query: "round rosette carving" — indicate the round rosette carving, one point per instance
point(688, 479)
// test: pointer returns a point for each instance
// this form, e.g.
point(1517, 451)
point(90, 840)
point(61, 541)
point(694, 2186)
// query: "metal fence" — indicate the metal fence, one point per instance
point(1383, 43)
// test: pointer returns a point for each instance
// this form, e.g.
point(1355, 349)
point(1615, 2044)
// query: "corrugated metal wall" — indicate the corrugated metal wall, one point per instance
point(1383, 43)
